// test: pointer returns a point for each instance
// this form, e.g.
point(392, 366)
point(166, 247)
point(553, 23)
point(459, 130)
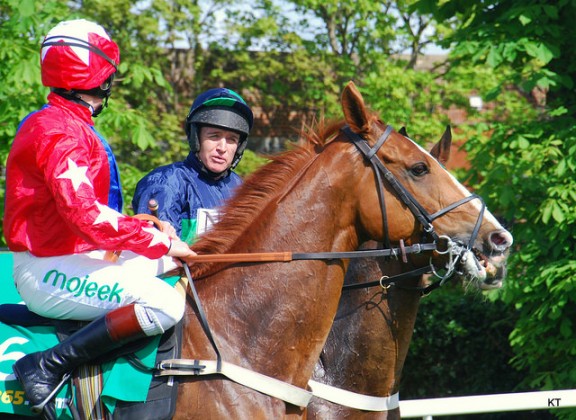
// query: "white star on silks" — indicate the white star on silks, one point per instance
point(157, 238)
point(76, 174)
point(107, 215)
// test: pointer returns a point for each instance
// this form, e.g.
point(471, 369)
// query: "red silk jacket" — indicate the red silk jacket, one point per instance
point(57, 185)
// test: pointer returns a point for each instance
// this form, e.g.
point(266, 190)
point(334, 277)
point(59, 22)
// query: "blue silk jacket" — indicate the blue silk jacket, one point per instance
point(180, 189)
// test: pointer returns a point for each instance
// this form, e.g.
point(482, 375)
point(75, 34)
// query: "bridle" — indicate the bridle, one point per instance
point(455, 250)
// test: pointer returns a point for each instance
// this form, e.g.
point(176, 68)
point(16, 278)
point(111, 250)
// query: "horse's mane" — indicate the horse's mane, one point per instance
point(261, 187)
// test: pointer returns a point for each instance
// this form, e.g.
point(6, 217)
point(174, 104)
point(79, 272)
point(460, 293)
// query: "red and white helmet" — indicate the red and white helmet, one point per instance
point(78, 55)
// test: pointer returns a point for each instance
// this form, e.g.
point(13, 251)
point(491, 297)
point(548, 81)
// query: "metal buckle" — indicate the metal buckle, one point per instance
point(382, 285)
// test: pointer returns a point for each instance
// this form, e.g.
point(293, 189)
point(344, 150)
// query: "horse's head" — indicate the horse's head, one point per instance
point(422, 199)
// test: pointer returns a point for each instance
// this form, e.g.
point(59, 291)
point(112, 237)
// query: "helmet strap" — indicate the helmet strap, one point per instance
point(100, 108)
point(74, 96)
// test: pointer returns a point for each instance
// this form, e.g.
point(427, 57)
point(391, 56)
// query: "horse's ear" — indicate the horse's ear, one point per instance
point(403, 131)
point(441, 150)
point(354, 109)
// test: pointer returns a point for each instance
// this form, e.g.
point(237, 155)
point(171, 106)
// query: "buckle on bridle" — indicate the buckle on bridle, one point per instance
point(447, 243)
point(429, 228)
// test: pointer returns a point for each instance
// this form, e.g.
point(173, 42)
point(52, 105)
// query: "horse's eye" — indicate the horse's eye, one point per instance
point(419, 169)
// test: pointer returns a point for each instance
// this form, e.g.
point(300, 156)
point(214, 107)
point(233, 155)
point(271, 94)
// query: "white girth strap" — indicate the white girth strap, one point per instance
point(276, 388)
point(352, 399)
point(262, 383)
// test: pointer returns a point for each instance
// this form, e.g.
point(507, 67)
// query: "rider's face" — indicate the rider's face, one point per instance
point(217, 148)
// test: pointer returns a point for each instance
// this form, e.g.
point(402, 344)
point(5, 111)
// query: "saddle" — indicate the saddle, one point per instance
point(161, 398)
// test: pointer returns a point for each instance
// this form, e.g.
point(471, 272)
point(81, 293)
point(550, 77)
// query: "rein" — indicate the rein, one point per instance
point(288, 256)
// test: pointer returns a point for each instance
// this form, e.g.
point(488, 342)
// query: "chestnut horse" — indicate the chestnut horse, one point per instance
point(326, 197)
point(369, 341)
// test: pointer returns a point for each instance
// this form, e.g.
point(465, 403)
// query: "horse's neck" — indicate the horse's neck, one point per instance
point(274, 317)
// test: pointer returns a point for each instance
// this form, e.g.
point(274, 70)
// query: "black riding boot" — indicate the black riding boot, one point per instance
point(40, 373)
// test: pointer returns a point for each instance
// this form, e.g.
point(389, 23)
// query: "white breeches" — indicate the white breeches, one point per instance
point(85, 287)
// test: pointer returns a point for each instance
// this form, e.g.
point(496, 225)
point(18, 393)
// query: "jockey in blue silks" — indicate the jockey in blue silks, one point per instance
point(217, 128)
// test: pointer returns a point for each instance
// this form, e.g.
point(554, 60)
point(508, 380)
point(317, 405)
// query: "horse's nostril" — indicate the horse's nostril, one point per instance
point(501, 240)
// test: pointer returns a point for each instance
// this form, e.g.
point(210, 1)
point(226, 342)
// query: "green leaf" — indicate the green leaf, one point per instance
point(539, 51)
point(27, 8)
point(525, 20)
point(523, 143)
point(546, 213)
point(494, 57)
point(142, 137)
point(557, 213)
point(551, 11)
point(560, 169)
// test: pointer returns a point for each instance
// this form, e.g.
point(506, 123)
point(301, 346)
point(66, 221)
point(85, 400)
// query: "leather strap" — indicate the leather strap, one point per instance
point(372, 253)
point(274, 387)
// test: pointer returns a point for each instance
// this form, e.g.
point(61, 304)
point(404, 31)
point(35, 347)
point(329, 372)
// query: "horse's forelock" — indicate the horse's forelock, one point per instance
point(320, 133)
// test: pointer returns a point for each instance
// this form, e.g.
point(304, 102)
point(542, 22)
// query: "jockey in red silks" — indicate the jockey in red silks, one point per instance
point(64, 209)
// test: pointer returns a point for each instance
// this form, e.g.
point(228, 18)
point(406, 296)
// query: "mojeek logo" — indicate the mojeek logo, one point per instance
point(78, 286)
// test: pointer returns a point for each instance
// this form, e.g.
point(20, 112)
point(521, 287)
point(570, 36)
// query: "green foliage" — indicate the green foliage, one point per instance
point(350, 28)
point(397, 94)
point(249, 163)
point(525, 169)
point(532, 37)
point(530, 180)
point(549, 297)
point(444, 358)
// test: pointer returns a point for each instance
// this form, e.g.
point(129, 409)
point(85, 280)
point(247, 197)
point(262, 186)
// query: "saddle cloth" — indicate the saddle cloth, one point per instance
point(124, 385)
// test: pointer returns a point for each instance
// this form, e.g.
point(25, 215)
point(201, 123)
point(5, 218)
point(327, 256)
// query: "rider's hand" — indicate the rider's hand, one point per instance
point(180, 249)
point(168, 229)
